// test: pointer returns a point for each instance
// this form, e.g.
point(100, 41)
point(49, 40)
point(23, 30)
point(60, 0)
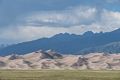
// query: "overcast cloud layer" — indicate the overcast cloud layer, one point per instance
point(25, 20)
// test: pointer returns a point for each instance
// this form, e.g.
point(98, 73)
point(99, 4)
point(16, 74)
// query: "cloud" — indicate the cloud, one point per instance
point(64, 18)
point(12, 9)
point(89, 17)
point(109, 20)
point(75, 20)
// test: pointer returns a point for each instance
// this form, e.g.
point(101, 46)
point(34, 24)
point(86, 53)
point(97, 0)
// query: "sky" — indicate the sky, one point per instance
point(26, 20)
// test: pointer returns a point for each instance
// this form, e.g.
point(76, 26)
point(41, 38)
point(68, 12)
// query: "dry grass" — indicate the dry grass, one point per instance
point(58, 75)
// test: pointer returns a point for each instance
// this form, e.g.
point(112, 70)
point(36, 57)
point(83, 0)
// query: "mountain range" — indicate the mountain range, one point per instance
point(66, 43)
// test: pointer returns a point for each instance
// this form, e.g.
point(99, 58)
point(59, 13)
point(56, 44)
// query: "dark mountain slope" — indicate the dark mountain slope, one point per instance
point(113, 47)
point(64, 43)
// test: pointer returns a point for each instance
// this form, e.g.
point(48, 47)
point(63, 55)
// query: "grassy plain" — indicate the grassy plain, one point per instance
point(58, 75)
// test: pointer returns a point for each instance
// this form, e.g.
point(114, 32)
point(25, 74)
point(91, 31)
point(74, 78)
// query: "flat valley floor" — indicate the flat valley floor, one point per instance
point(58, 75)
